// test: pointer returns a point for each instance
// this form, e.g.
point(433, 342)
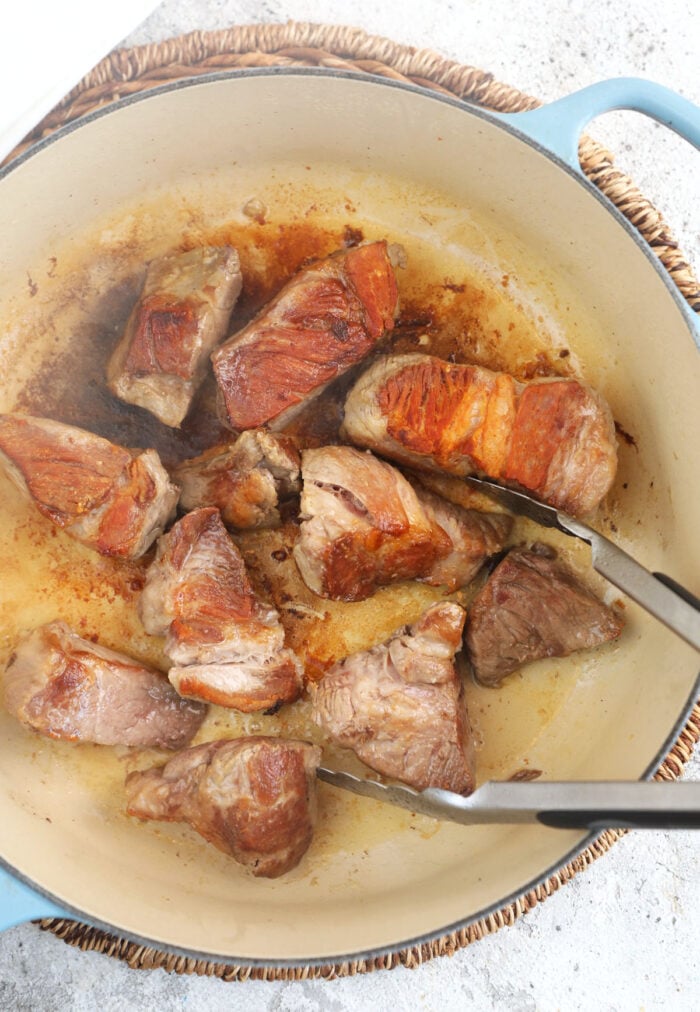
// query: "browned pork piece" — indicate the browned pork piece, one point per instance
point(110, 499)
point(533, 606)
point(66, 687)
point(182, 313)
point(553, 437)
point(253, 798)
point(474, 536)
point(245, 480)
point(227, 645)
point(328, 317)
point(400, 706)
point(365, 526)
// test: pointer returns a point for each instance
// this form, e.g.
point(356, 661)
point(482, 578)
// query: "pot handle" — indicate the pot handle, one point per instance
point(19, 903)
point(558, 125)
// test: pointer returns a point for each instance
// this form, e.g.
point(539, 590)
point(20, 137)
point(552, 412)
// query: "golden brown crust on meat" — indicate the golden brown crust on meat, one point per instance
point(355, 564)
point(449, 410)
point(164, 338)
point(365, 526)
point(548, 415)
point(252, 798)
point(256, 827)
point(226, 644)
point(370, 273)
point(122, 517)
point(63, 481)
point(182, 313)
point(245, 480)
point(554, 437)
point(323, 321)
point(102, 495)
point(212, 597)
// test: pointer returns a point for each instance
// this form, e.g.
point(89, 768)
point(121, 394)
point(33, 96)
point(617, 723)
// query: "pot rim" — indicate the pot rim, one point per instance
point(509, 124)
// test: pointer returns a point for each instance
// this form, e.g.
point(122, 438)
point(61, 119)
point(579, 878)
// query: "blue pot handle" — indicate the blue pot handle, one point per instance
point(19, 903)
point(559, 125)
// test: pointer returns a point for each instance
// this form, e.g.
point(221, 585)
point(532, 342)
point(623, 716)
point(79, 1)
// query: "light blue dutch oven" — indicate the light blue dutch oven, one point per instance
point(506, 190)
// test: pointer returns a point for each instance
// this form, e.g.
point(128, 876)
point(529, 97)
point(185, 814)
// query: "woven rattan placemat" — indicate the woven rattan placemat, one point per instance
point(127, 71)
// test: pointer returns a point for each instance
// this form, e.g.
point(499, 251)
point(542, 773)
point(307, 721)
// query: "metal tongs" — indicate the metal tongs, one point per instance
point(661, 596)
point(592, 805)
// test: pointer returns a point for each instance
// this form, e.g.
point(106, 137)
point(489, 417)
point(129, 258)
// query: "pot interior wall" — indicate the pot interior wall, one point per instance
point(473, 207)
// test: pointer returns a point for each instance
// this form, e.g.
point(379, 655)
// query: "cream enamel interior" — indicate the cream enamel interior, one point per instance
point(455, 190)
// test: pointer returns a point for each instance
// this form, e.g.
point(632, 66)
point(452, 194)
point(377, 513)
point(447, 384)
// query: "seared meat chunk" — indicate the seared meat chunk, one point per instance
point(182, 313)
point(227, 645)
point(66, 687)
point(245, 480)
point(104, 496)
point(258, 682)
point(324, 320)
point(253, 798)
point(553, 437)
point(533, 606)
point(365, 526)
point(474, 536)
point(400, 706)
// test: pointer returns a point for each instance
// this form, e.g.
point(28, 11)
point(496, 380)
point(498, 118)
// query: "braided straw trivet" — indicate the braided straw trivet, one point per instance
point(127, 71)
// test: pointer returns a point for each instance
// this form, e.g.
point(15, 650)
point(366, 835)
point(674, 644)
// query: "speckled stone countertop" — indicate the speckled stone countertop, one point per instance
point(623, 935)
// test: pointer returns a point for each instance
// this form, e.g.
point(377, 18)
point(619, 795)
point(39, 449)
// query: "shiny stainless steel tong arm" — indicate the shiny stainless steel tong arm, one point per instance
point(661, 596)
point(593, 805)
